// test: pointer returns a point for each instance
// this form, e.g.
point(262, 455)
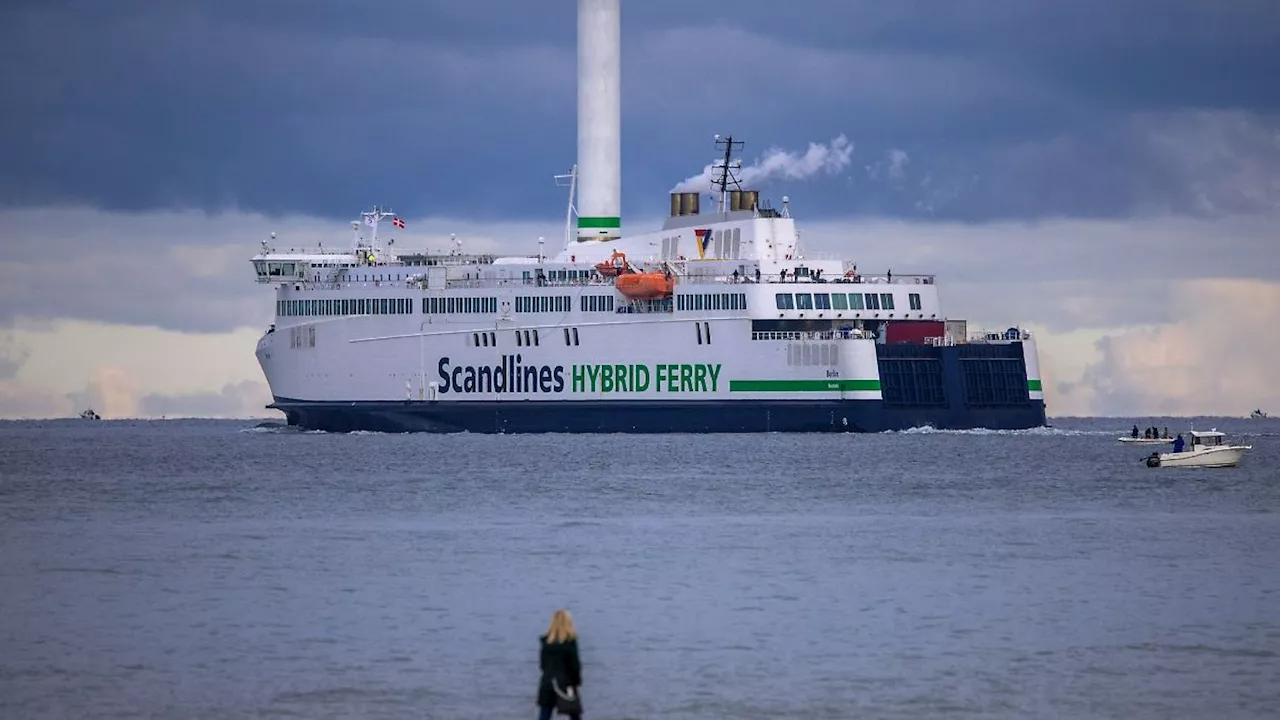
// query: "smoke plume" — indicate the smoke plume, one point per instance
point(778, 163)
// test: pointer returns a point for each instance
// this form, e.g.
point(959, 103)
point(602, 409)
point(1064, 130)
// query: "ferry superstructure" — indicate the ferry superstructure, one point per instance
point(716, 322)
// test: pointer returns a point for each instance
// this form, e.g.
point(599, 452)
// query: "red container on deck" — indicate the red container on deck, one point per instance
point(912, 331)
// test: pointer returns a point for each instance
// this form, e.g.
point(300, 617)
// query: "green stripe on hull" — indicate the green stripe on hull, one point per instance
point(1034, 386)
point(804, 385)
point(604, 223)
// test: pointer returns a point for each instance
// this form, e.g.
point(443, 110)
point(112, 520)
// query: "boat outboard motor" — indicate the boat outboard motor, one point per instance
point(1153, 460)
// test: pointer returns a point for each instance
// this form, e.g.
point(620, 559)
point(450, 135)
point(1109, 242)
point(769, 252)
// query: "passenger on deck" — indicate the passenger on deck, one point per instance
point(1178, 443)
point(1135, 430)
point(1146, 434)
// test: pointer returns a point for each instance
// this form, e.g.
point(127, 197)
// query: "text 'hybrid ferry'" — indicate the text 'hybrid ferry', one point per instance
point(717, 322)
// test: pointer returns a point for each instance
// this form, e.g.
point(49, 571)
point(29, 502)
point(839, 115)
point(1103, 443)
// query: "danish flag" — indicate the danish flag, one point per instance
point(398, 223)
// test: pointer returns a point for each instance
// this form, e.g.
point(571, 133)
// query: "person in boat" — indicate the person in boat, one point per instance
point(1166, 434)
point(1135, 431)
point(1178, 443)
point(561, 668)
point(1146, 434)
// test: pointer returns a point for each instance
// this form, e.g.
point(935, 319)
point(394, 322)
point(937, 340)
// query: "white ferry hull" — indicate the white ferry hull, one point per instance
point(633, 376)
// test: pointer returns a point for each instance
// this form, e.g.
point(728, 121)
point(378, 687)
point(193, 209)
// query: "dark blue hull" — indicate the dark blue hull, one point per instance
point(634, 416)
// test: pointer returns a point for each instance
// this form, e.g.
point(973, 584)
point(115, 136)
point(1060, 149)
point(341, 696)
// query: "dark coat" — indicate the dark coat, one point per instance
point(558, 661)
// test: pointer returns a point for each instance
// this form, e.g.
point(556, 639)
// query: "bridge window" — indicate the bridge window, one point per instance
point(873, 301)
point(855, 301)
point(886, 301)
point(822, 301)
point(839, 301)
point(804, 301)
point(785, 301)
point(914, 300)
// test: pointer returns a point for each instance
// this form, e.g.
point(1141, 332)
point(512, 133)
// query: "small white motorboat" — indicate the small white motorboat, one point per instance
point(90, 414)
point(1258, 415)
point(1146, 440)
point(1208, 449)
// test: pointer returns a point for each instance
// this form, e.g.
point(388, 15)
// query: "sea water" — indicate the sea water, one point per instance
point(215, 569)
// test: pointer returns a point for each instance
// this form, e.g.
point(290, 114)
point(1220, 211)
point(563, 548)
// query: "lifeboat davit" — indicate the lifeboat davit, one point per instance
point(645, 286)
point(614, 266)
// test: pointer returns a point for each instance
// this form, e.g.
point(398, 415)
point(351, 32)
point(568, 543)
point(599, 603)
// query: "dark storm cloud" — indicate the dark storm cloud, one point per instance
point(1006, 108)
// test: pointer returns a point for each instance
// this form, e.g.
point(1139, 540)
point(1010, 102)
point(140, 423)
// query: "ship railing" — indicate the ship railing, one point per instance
point(849, 334)
point(993, 337)
point(526, 282)
point(940, 341)
point(278, 254)
point(591, 282)
point(887, 279)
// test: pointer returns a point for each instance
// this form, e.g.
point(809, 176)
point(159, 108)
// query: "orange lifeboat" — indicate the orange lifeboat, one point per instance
point(614, 266)
point(645, 286)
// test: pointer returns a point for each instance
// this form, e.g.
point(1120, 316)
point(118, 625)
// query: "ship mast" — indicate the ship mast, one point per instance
point(371, 218)
point(572, 184)
point(725, 167)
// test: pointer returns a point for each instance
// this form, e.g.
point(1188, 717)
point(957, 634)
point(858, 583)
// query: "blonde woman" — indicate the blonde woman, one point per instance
point(561, 670)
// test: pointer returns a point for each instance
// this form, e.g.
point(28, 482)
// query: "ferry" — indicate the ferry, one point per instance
point(717, 321)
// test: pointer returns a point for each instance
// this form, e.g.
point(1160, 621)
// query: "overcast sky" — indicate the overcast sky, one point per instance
point(1107, 172)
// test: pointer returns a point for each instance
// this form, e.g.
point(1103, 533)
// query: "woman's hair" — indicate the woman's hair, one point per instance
point(561, 628)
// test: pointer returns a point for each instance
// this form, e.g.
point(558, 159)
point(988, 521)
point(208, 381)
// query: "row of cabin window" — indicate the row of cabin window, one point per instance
point(842, 301)
point(528, 275)
point(524, 338)
point(353, 306)
point(448, 305)
point(712, 301)
point(543, 303)
point(597, 303)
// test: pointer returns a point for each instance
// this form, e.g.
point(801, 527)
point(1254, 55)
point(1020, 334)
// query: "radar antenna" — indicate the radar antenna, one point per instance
point(722, 170)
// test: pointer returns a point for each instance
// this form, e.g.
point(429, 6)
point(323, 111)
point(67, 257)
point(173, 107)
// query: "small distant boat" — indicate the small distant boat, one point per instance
point(89, 414)
point(1146, 440)
point(1208, 449)
point(1258, 415)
